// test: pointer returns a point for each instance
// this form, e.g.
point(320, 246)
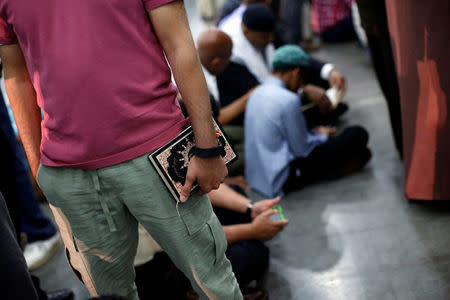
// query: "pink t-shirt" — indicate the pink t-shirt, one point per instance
point(100, 76)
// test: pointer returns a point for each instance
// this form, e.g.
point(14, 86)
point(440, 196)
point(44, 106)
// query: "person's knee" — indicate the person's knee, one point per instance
point(249, 259)
point(359, 134)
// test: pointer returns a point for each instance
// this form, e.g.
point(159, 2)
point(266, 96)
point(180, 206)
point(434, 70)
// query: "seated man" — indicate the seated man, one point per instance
point(232, 82)
point(280, 150)
point(253, 48)
point(246, 227)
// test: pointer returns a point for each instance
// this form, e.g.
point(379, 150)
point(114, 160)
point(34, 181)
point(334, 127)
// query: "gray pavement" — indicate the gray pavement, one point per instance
point(354, 238)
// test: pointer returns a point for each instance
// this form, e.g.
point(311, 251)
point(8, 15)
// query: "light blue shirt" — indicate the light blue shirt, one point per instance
point(275, 134)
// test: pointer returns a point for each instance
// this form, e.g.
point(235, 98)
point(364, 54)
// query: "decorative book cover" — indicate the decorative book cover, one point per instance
point(171, 160)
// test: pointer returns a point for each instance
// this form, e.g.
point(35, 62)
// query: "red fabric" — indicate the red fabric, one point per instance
point(100, 76)
point(328, 13)
point(419, 31)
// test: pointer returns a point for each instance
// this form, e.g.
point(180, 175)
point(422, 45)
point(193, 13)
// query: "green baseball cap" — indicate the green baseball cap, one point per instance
point(289, 56)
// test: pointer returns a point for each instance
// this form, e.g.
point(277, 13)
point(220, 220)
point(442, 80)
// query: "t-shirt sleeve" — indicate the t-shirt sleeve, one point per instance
point(152, 4)
point(7, 35)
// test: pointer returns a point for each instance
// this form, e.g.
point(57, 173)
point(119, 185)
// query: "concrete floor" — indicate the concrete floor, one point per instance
point(355, 238)
point(358, 237)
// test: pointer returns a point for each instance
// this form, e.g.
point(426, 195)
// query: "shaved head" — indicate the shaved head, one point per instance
point(214, 49)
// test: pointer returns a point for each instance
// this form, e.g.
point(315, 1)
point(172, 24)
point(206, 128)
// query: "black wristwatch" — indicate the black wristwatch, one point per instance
point(209, 152)
point(248, 212)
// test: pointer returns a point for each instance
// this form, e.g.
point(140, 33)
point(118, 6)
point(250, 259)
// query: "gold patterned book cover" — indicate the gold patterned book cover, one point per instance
point(171, 160)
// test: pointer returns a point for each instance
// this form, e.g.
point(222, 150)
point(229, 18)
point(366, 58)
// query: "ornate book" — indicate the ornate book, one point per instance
point(171, 160)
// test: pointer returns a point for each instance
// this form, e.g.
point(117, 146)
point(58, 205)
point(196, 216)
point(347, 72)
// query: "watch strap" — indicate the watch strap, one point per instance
point(248, 212)
point(209, 152)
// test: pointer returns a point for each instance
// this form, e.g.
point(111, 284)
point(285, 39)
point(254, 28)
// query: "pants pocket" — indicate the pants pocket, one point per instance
point(220, 240)
point(195, 213)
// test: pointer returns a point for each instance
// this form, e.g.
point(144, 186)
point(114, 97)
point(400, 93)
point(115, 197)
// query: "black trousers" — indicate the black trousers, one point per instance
point(337, 157)
point(8, 182)
point(249, 259)
point(17, 278)
point(14, 274)
point(374, 22)
point(161, 279)
point(341, 32)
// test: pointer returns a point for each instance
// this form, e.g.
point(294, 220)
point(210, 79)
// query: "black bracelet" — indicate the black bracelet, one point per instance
point(209, 152)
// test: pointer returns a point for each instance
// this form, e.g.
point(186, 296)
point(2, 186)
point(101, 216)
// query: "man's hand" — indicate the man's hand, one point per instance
point(328, 131)
point(318, 96)
point(337, 80)
point(209, 173)
point(264, 228)
point(261, 206)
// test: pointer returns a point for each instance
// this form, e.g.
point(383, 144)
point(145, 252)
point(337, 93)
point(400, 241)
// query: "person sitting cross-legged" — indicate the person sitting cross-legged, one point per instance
point(281, 153)
point(252, 52)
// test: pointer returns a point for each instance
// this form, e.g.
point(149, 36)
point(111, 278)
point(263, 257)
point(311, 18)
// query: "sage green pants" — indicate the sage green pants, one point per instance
point(98, 212)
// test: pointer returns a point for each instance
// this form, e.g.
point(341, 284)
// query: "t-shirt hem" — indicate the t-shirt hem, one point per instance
point(126, 155)
point(4, 42)
point(152, 4)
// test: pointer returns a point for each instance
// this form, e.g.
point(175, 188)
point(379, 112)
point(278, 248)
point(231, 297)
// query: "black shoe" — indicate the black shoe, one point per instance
point(64, 294)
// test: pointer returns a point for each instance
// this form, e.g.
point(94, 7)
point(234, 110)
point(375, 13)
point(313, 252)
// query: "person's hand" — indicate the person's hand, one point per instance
point(265, 228)
point(326, 130)
point(337, 80)
point(318, 96)
point(237, 180)
point(209, 173)
point(263, 205)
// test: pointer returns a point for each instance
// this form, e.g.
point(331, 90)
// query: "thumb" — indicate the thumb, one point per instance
point(282, 223)
point(269, 212)
point(186, 191)
point(276, 200)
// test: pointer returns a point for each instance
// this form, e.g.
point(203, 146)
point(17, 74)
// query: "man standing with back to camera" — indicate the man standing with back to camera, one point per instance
point(98, 71)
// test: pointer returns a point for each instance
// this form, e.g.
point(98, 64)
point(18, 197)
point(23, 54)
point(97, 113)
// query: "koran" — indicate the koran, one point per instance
point(172, 159)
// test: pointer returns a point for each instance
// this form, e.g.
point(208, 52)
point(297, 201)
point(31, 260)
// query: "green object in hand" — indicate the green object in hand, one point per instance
point(279, 215)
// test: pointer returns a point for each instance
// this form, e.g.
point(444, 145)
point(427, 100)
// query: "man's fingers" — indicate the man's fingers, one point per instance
point(276, 200)
point(270, 212)
point(186, 191)
point(208, 187)
point(342, 84)
point(281, 223)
